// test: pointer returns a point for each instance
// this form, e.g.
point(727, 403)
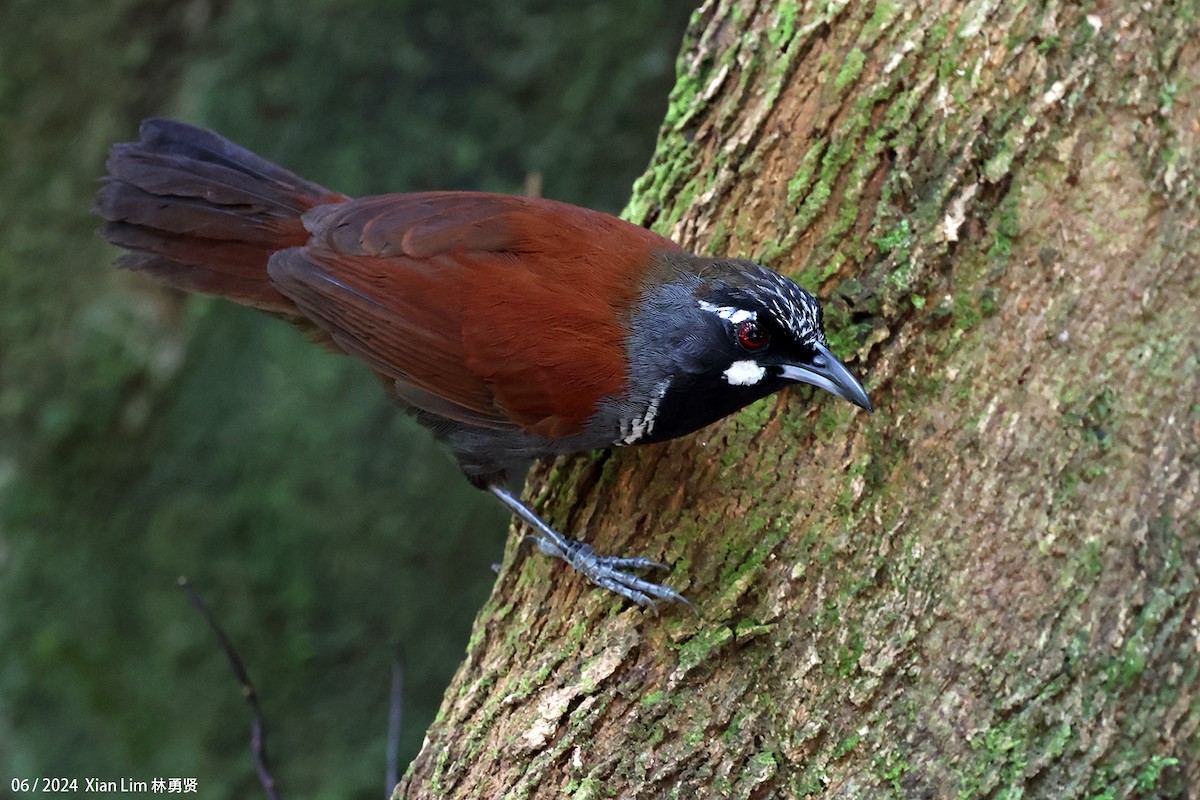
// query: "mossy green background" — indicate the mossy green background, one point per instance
point(143, 436)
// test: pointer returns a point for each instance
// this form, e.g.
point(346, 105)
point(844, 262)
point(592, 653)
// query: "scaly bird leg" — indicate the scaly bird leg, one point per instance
point(610, 572)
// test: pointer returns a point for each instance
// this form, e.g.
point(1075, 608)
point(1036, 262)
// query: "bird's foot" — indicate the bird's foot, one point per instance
point(612, 572)
point(609, 572)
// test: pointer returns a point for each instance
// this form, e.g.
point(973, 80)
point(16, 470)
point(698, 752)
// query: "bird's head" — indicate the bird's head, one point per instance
point(725, 333)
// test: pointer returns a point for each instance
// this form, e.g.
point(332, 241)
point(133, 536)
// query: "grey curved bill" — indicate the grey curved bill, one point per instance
point(826, 372)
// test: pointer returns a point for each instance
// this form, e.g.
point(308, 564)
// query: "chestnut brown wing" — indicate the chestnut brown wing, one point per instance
point(494, 310)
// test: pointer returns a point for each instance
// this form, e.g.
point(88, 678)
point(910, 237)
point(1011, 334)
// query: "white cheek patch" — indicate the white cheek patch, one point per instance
point(744, 373)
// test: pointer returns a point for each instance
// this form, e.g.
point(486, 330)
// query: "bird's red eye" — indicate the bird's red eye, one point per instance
point(751, 336)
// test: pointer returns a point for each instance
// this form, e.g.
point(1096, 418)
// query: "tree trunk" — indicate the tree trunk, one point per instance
point(988, 588)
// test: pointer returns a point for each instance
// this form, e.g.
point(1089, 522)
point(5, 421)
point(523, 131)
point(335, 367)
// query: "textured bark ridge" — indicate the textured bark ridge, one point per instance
point(988, 588)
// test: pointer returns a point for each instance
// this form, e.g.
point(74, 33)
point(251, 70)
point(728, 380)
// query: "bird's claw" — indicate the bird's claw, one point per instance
point(613, 572)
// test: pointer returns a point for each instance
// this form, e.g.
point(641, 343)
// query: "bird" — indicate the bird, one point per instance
point(514, 328)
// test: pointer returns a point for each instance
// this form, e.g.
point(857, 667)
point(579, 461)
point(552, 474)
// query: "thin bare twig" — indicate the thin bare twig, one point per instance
point(395, 716)
point(258, 726)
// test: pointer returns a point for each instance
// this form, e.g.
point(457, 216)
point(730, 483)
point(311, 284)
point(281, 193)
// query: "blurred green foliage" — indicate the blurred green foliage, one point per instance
point(144, 436)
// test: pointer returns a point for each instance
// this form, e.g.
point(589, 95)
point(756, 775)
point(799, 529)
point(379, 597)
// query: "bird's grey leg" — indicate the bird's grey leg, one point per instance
point(610, 572)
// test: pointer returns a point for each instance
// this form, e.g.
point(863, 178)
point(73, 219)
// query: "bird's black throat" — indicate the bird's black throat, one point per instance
point(690, 406)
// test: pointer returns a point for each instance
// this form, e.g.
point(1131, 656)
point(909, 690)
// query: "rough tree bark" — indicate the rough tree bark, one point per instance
point(988, 588)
